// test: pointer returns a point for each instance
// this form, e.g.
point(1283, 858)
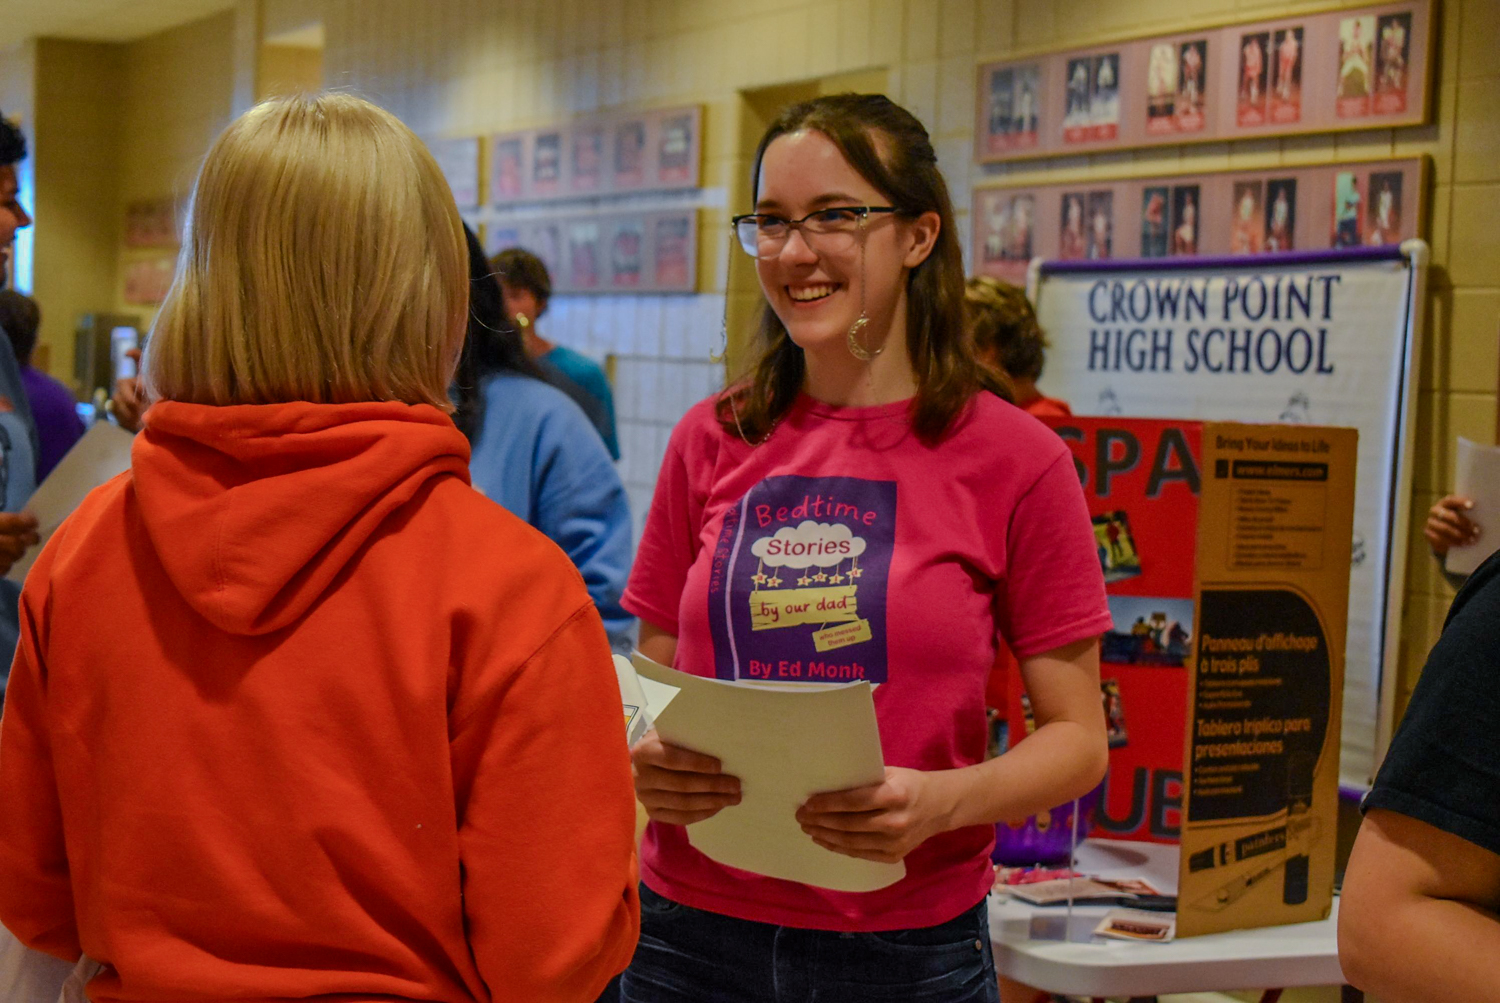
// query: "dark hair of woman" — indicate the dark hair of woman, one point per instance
point(491, 345)
point(891, 150)
point(1004, 326)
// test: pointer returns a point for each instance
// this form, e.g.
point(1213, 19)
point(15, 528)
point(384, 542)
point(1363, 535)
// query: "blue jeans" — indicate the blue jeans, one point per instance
point(687, 955)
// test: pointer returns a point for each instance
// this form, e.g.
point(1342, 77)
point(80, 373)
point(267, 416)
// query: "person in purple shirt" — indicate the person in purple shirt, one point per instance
point(52, 404)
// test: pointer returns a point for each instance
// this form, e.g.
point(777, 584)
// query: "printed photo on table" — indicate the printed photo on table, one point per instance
point(1281, 214)
point(1247, 227)
point(1254, 71)
point(1392, 62)
point(1356, 59)
point(1286, 86)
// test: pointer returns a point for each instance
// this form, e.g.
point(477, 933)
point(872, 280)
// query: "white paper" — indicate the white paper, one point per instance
point(785, 743)
point(1478, 479)
point(102, 453)
point(643, 699)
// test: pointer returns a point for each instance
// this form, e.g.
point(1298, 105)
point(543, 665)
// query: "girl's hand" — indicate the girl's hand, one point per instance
point(1448, 525)
point(677, 786)
point(884, 822)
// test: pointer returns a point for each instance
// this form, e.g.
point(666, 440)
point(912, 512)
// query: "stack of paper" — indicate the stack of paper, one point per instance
point(1478, 479)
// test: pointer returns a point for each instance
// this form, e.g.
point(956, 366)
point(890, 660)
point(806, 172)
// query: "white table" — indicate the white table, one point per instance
point(1271, 958)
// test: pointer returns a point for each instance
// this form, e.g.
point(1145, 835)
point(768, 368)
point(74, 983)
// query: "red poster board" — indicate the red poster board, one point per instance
point(1141, 478)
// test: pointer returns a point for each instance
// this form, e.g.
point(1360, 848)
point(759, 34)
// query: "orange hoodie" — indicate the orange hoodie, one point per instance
point(296, 713)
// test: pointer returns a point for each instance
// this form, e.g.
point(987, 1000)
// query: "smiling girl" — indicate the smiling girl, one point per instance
point(959, 520)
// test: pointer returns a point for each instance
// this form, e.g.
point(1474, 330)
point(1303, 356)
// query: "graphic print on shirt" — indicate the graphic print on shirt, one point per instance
point(797, 586)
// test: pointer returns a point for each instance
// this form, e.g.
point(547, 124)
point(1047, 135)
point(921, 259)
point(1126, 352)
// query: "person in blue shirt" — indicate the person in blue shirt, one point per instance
point(18, 442)
point(535, 452)
point(527, 287)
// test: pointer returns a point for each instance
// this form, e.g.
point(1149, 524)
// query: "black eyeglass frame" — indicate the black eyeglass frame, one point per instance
point(863, 211)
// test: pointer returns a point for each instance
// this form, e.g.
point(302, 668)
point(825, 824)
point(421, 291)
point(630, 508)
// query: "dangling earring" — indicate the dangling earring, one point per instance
point(522, 321)
point(856, 348)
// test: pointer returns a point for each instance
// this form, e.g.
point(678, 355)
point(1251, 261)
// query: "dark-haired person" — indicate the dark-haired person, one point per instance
point(869, 458)
point(535, 452)
point(1006, 334)
point(53, 406)
point(18, 441)
point(528, 287)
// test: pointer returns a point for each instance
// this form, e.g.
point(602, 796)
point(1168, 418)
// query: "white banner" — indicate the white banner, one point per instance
point(1318, 339)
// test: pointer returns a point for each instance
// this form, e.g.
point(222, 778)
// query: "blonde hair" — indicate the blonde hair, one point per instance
point(324, 261)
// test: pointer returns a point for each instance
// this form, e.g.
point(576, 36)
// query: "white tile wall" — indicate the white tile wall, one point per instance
point(661, 346)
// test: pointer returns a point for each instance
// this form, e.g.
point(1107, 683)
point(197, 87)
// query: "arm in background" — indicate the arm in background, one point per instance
point(1417, 920)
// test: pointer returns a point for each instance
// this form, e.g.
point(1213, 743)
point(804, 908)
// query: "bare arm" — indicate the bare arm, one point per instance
point(1417, 921)
point(1063, 759)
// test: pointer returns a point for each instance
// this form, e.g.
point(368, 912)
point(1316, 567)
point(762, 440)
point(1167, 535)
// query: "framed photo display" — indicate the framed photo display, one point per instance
point(606, 155)
point(1269, 211)
point(458, 159)
point(620, 252)
point(1357, 68)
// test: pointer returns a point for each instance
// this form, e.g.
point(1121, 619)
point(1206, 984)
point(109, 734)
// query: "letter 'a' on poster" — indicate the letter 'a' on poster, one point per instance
point(785, 742)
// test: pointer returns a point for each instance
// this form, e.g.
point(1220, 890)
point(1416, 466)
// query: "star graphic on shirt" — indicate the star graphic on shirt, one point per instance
point(835, 578)
point(758, 578)
point(820, 577)
point(804, 581)
point(773, 582)
point(856, 572)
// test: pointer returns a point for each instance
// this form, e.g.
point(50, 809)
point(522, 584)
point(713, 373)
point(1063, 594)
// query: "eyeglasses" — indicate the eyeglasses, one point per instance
point(763, 235)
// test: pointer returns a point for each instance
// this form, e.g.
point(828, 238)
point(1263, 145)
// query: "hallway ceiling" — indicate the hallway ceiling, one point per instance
point(98, 20)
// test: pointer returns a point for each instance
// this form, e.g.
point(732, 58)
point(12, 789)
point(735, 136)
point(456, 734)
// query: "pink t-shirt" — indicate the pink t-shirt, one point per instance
point(844, 548)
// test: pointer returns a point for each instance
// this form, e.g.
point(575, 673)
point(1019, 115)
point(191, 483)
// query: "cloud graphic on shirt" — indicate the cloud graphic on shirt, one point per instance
point(809, 545)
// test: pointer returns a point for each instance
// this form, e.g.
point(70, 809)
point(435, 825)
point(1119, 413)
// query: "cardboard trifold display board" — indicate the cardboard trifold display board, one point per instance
point(1275, 523)
point(1225, 549)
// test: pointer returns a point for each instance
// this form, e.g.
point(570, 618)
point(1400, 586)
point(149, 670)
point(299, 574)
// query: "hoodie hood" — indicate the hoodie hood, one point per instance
point(254, 510)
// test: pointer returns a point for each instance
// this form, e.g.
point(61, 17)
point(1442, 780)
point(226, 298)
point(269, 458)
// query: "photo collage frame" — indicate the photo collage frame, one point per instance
point(537, 177)
point(653, 151)
point(1358, 68)
point(619, 252)
point(1269, 211)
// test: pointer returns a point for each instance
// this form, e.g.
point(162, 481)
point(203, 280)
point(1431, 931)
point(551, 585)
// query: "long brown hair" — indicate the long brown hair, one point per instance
point(948, 375)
